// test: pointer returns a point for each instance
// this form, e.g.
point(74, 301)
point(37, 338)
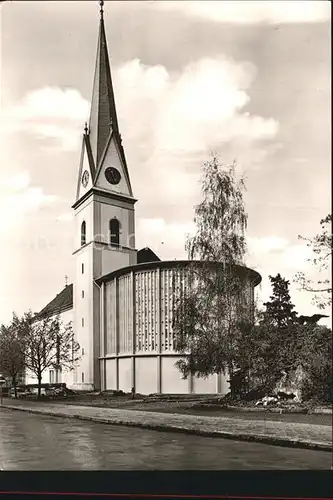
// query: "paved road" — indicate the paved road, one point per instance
point(34, 442)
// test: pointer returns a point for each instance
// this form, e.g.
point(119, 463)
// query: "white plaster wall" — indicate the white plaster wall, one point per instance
point(30, 378)
point(146, 375)
point(112, 160)
point(67, 316)
point(84, 213)
point(205, 386)
point(84, 165)
point(111, 378)
point(84, 309)
point(125, 374)
point(225, 386)
point(108, 212)
point(67, 376)
point(113, 259)
point(172, 382)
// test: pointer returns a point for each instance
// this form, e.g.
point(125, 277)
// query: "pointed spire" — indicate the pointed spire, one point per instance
point(103, 116)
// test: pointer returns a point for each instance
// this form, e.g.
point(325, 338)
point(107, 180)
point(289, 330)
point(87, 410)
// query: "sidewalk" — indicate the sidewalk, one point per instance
point(310, 436)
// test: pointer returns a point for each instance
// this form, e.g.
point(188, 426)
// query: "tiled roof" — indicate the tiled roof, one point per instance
point(62, 302)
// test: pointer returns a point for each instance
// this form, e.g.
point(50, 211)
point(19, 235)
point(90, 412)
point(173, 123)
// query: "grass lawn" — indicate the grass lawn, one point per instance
point(186, 407)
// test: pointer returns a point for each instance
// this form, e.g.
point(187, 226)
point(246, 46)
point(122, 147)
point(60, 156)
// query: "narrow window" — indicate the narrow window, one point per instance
point(58, 376)
point(82, 351)
point(83, 233)
point(82, 268)
point(82, 321)
point(114, 228)
point(82, 378)
point(83, 294)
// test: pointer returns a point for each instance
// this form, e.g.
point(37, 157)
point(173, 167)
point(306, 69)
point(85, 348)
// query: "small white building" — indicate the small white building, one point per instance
point(121, 303)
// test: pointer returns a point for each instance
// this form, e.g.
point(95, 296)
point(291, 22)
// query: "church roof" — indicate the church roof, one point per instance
point(62, 302)
point(147, 255)
point(102, 134)
point(103, 114)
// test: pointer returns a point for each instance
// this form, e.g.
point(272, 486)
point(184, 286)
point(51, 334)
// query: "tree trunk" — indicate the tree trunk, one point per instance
point(14, 384)
point(39, 385)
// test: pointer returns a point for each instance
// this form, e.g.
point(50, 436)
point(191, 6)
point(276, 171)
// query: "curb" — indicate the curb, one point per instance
point(276, 441)
point(260, 409)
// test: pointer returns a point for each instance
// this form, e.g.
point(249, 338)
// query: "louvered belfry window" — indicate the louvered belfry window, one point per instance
point(114, 228)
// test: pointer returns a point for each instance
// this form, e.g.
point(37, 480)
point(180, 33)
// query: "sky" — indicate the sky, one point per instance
point(248, 80)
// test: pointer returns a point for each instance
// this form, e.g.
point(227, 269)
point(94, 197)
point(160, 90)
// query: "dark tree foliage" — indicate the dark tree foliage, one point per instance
point(280, 343)
point(269, 347)
point(314, 348)
point(11, 356)
point(279, 309)
point(211, 301)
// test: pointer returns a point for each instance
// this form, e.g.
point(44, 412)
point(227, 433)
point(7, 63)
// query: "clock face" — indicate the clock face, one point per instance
point(112, 175)
point(85, 178)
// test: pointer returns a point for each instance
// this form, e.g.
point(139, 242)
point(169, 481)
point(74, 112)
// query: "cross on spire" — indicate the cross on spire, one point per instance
point(66, 280)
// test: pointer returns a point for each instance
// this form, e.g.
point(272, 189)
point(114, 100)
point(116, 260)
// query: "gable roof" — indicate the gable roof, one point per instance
point(62, 302)
point(147, 255)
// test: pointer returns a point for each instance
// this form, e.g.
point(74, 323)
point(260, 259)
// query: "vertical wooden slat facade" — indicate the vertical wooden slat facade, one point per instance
point(138, 310)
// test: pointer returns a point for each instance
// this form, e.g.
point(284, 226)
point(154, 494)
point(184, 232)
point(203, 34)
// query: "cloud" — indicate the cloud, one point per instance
point(200, 107)
point(275, 253)
point(17, 198)
point(66, 217)
point(179, 117)
point(252, 12)
point(166, 239)
point(272, 255)
point(49, 113)
point(267, 244)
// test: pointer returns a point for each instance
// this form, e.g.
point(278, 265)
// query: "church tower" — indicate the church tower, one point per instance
point(104, 215)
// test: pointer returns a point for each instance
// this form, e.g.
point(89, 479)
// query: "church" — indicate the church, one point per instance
point(122, 301)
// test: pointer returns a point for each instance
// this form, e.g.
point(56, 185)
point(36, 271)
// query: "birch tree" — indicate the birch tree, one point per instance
point(210, 304)
point(47, 344)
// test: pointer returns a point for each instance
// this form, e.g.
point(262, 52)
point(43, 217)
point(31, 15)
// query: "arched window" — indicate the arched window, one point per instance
point(114, 228)
point(83, 233)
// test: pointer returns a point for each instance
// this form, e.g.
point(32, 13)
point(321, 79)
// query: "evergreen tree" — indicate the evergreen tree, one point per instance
point(272, 345)
point(279, 310)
